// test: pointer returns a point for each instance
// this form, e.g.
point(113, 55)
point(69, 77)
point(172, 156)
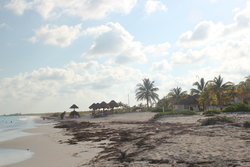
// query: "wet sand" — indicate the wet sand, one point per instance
point(49, 151)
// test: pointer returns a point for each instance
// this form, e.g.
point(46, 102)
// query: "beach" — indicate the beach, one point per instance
point(48, 151)
point(133, 139)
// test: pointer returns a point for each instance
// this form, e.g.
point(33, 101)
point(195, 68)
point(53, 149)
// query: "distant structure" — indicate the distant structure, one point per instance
point(74, 114)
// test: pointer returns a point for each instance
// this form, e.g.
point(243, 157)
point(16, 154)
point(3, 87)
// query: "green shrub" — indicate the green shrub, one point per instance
point(57, 114)
point(247, 124)
point(185, 112)
point(211, 112)
point(237, 108)
point(157, 109)
point(217, 120)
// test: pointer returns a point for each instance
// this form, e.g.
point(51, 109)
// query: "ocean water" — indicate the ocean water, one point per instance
point(12, 127)
point(11, 156)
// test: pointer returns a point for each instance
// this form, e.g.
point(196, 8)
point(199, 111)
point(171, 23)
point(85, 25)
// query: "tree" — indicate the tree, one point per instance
point(200, 91)
point(200, 87)
point(243, 89)
point(247, 78)
point(176, 94)
point(219, 89)
point(146, 91)
point(164, 102)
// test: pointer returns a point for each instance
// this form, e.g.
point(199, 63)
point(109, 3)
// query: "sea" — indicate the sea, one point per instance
point(12, 127)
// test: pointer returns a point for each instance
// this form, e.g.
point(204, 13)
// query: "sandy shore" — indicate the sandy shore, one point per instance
point(130, 139)
point(49, 151)
point(174, 141)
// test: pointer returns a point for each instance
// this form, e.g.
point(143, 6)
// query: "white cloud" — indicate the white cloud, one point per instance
point(19, 6)
point(229, 58)
point(158, 49)
point(188, 57)
point(161, 66)
point(57, 35)
point(80, 83)
point(152, 6)
point(85, 9)
point(203, 32)
point(207, 31)
point(113, 41)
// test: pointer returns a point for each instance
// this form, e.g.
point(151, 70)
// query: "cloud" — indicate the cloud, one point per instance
point(57, 35)
point(113, 41)
point(208, 32)
point(152, 6)
point(80, 83)
point(228, 58)
point(19, 6)
point(85, 9)
point(162, 66)
point(188, 57)
point(157, 49)
point(203, 32)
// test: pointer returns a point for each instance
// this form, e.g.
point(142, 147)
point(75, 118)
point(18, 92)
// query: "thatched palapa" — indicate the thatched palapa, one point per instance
point(113, 104)
point(74, 107)
point(74, 114)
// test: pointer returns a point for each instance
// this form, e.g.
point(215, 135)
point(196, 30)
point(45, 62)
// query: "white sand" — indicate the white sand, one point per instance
point(181, 119)
point(135, 116)
point(49, 152)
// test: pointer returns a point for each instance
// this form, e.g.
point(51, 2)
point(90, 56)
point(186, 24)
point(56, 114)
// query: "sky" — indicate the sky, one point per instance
point(55, 53)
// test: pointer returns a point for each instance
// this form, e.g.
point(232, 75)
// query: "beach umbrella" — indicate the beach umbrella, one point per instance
point(113, 104)
point(92, 106)
point(74, 114)
point(97, 106)
point(104, 105)
point(74, 107)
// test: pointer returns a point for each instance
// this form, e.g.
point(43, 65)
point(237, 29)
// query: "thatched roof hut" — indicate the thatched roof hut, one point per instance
point(189, 100)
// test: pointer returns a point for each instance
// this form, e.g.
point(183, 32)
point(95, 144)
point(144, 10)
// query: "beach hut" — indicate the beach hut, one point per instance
point(188, 103)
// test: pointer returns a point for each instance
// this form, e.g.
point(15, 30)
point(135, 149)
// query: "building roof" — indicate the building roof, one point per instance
point(189, 100)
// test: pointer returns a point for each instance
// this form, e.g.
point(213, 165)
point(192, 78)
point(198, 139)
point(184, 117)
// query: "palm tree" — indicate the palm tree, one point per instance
point(146, 91)
point(243, 89)
point(200, 87)
point(248, 78)
point(200, 91)
point(176, 94)
point(164, 102)
point(219, 88)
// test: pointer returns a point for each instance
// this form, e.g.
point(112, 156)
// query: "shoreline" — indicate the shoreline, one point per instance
point(48, 151)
